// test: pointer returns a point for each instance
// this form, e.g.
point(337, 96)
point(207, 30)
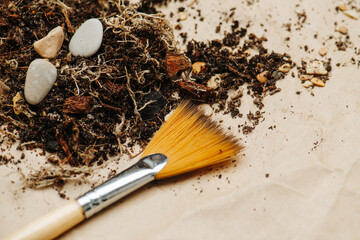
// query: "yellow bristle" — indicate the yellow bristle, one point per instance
point(191, 141)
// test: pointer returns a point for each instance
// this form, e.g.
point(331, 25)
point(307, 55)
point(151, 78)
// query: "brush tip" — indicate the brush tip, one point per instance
point(191, 141)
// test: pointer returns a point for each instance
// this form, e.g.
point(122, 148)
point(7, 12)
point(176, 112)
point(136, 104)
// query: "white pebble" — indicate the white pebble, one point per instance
point(214, 82)
point(40, 78)
point(307, 84)
point(87, 39)
point(316, 67)
point(206, 109)
point(49, 46)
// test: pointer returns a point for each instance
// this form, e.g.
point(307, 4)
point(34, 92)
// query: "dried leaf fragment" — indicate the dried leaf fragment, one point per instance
point(4, 90)
point(176, 63)
point(197, 91)
point(77, 104)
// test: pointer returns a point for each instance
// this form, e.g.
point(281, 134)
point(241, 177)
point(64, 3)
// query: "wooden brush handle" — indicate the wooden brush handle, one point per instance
point(52, 224)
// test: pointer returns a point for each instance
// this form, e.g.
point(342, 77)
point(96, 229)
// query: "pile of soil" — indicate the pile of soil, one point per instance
point(119, 97)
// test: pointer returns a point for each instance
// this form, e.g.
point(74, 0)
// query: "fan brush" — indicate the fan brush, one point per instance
point(189, 140)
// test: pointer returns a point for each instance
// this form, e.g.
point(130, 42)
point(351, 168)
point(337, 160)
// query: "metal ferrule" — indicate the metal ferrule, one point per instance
point(138, 175)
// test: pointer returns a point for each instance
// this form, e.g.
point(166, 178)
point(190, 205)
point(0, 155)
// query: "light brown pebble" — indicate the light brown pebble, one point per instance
point(49, 46)
point(285, 68)
point(352, 14)
point(305, 77)
point(261, 77)
point(317, 82)
point(343, 30)
point(4, 90)
point(322, 51)
point(198, 67)
point(182, 16)
point(342, 7)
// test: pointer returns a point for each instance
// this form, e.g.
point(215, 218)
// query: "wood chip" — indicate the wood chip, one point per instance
point(176, 63)
point(352, 14)
point(198, 67)
point(322, 51)
point(343, 30)
point(317, 82)
point(261, 77)
point(197, 91)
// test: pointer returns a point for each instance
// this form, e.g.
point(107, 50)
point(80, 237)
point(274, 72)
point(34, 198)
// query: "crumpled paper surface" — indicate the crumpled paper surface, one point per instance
point(298, 180)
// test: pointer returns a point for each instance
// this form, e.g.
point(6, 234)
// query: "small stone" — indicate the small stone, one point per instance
point(285, 68)
point(343, 30)
point(49, 46)
point(307, 84)
point(317, 82)
point(87, 39)
point(342, 7)
point(198, 67)
point(305, 77)
point(316, 67)
point(352, 14)
point(17, 106)
point(237, 94)
point(214, 82)
point(182, 16)
point(322, 51)
point(4, 90)
point(40, 78)
point(261, 77)
point(206, 109)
